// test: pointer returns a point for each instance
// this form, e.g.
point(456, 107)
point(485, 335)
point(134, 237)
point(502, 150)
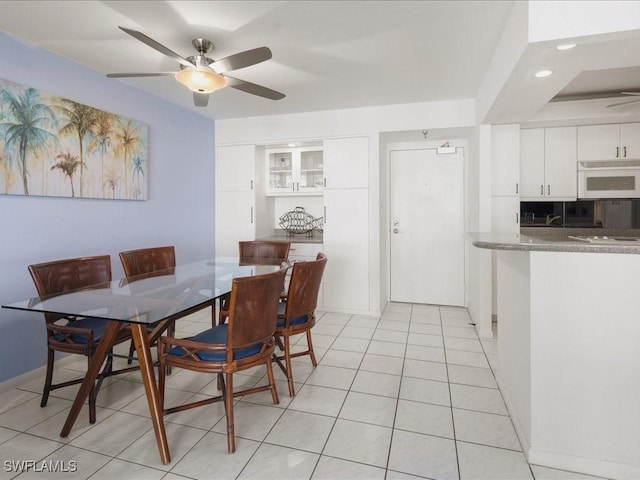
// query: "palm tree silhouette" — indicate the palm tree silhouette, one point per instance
point(103, 131)
point(138, 171)
point(81, 120)
point(69, 164)
point(27, 132)
point(127, 139)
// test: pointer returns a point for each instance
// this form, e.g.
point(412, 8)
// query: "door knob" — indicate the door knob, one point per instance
point(395, 230)
point(396, 223)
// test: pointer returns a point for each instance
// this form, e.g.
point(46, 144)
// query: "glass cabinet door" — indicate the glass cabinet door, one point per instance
point(311, 177)
point(281, 171)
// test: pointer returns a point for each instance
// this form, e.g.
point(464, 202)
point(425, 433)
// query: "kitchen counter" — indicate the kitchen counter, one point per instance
point(555, 240)
point(568, 343)
point(281, 236)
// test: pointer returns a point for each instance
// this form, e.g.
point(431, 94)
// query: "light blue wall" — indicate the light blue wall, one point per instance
point(180, 209)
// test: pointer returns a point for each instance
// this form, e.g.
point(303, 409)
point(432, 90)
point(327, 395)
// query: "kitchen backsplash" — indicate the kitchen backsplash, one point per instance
point(604, 213)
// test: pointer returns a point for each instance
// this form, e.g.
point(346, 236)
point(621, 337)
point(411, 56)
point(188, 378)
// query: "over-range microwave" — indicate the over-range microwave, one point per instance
point(609, 179)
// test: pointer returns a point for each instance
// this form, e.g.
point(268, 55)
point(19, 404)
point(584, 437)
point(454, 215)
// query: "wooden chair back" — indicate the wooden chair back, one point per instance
point(263, 252)
point(147, 261)
point(253, 309)
point(304, 286)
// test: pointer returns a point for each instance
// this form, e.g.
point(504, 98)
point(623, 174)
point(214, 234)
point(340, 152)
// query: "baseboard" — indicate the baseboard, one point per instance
point(588, 466)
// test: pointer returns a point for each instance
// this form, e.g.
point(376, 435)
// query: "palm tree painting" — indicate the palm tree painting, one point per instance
point(54, 146)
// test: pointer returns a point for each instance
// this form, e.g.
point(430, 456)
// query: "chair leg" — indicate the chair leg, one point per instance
point(227, 390)
point(93, 394)
point(287, 361)
point(132, 349)
point(310, 347)
point(171, 332)
point(272, 382)
point(48, 378)
point(162, 373)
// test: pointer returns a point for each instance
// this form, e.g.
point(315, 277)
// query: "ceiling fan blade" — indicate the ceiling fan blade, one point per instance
point(125, 75)
point(200, 99)
point(157, 46)
point(241, 60)
point(630, 93)
point(254, 89)
point(615, 105)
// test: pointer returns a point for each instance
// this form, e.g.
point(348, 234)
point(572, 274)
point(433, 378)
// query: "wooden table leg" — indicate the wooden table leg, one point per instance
point(106, 343)
point(141, 341)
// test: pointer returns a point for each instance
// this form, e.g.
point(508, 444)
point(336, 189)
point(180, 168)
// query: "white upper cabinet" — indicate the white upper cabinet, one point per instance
point(346, 163)
point(548, 164)
point(609, 142)
point(235, 168)
point(295, 171)
point(532, 163)
point(505, 159)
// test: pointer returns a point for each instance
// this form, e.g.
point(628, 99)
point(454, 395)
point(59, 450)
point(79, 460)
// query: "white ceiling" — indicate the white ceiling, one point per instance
point(326, 54)
point(329, 54)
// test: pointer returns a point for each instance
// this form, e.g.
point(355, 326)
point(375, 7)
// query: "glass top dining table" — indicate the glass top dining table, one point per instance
point(145, 304)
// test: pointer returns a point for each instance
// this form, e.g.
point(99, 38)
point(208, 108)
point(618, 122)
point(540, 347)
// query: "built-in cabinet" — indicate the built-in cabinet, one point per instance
point(241, 196)
point(609, 142)
point(346, 224)
point(505, 167)
point(235, 197)
point(548, 164)
point(294, 171)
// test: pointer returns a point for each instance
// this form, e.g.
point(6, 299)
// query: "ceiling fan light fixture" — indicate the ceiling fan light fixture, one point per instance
point(201, 80)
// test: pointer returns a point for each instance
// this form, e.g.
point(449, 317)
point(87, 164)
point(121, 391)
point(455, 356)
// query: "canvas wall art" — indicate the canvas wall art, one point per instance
point(53, 146)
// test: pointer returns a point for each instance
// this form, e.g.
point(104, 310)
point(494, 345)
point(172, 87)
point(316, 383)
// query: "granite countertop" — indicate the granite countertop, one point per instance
point(281, 236)
point(556, 240)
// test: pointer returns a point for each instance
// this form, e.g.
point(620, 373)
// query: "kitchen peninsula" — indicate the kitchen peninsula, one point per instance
point(569, 348)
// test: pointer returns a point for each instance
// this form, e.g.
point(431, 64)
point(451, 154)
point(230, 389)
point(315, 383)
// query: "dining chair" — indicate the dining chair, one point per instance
point(148, 262)
point(246, 340)
point(257, 252)
point(297, 314)
point(79, 335)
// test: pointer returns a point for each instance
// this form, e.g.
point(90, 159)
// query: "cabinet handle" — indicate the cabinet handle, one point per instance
point(542, 190)
point(297, 187)
point(517, 217)
point(624, 150)
point(549, 190)
point(324, 182)
point(617, 152)
point(251, 214)
point(516, 188)
point(325, 215)
point(251, 184)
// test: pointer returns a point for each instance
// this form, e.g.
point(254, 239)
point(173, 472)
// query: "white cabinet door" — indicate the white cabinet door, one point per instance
point(599, 142)
point(505, 159)
point(346, 162)
point(235, 221)
point(630, 140)
point(532, 164)
point(561, 164)
point(505, 214)
point(235, 168)
point(346, 244)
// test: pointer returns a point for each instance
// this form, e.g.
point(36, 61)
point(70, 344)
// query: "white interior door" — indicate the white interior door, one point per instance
point(427, 227)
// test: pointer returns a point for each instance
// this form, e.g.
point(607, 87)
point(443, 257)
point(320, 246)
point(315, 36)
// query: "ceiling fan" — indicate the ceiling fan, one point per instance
point(203, 75)
point(635, 94)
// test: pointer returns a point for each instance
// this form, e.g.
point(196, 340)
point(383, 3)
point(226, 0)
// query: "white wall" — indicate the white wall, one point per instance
point(35, 229)
point(372, 122)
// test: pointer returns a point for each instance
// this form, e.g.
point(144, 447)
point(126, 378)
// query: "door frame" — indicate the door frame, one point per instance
point(386, 224)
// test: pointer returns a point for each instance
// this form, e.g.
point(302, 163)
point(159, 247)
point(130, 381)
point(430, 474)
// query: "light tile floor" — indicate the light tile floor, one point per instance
point(408, 395)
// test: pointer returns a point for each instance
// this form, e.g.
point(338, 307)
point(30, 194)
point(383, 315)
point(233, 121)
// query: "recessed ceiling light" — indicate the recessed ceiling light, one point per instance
point(566, 46)
point(543, 73)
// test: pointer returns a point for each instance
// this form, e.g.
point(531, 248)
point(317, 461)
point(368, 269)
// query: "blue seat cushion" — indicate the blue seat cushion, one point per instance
point(217, 335)
point(96, 324)
point(294, 321)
